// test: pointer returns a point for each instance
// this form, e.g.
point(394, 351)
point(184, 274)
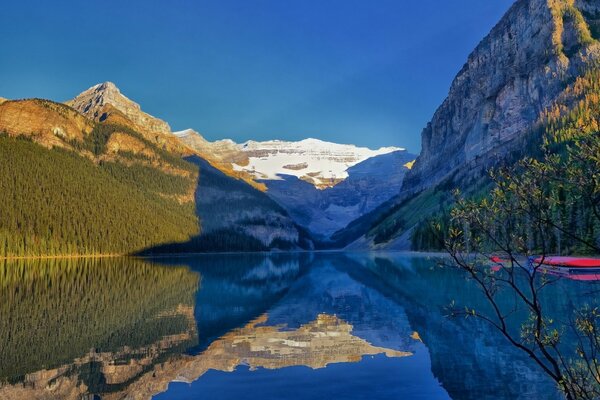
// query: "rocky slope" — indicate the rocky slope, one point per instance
point(104, 102)
point(237, 217)
point(495, 103)
point(47, 123)
point(221, 154)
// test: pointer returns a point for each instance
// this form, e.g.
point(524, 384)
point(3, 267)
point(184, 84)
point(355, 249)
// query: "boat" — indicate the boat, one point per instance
point(568, 262)
point(576, 268)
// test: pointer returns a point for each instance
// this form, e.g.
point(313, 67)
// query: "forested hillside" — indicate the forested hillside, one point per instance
point(71, 186)
point(56, 202)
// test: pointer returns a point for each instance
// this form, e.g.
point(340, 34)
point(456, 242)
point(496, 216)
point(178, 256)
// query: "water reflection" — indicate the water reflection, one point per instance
point(130, 328)
point(89, 326)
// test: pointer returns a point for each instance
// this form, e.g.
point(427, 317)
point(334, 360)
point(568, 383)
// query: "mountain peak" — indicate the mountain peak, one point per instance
point(106, 86)
point(101, 94)
point(99, 102)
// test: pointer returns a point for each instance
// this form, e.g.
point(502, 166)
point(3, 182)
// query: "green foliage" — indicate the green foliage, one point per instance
point(576, 113)
point(55, 202)
point(548, 206)
point(407, 214)
point(148, 179)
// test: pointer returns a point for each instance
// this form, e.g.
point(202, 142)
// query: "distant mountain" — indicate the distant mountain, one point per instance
point(533, 64)
point(322, 164)
point(325, 211)
point(322, 185)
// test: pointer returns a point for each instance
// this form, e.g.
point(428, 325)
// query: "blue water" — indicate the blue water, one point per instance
point(376, 377)
point(294, 326)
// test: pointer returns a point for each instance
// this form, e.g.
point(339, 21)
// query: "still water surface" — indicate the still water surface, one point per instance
point(295, 326)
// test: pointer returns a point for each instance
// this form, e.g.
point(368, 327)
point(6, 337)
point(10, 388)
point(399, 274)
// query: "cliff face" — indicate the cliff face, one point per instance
point(511, 76)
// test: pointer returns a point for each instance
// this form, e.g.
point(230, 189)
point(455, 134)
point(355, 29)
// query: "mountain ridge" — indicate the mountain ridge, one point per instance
point(318, 162)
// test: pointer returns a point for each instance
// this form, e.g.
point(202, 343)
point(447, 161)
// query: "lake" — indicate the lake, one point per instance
point(295, 326)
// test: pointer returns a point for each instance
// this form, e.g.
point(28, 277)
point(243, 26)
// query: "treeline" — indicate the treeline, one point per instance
point(576, 113)
point(221, 240)
point(572, 219)
point(56, 202)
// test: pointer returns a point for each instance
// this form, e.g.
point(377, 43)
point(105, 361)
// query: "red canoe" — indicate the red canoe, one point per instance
point(572, 262)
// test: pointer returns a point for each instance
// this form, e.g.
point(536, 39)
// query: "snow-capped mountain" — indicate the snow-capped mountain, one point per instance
point(322, 164)
point(323, 186)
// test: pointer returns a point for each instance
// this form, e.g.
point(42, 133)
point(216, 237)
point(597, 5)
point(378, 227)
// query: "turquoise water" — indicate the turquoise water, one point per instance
point(296, 326)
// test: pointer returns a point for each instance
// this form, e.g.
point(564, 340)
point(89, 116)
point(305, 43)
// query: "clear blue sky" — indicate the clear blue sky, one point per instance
point(365, 72)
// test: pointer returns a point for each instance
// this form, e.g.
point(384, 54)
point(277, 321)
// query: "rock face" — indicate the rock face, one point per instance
point(221, 151)
point(494, 111)
point(94, 101)
point(511, 76)
point(105, 103)
point(221, 154)
point(47, 123)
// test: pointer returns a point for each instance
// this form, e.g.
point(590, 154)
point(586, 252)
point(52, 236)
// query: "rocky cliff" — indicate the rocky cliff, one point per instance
point(496, 111)
point(47, 123)
point(514, 73)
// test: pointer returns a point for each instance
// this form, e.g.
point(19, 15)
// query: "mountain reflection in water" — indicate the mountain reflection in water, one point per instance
point(223, 326)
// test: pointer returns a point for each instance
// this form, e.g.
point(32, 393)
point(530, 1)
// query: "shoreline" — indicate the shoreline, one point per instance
point(183, 255)
point(11, 258)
